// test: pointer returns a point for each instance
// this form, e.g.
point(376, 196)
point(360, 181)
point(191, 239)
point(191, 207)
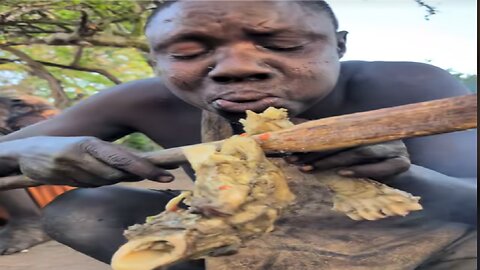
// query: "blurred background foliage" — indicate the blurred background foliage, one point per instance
point(66, 51)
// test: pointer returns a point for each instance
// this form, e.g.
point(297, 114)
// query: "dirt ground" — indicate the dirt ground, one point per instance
point(55, 256)
point(50, 256)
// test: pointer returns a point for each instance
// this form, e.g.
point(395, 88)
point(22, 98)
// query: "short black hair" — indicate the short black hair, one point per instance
point(319, 5)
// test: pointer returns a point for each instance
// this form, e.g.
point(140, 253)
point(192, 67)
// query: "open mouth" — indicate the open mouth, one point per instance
point(241, 105)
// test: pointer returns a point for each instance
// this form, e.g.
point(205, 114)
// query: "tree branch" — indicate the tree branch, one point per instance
point(62, 39)
point(119, 42)
point(77, 57)
point(17, 12)
point(61, 99)
point(41, 22)
point(102, 72)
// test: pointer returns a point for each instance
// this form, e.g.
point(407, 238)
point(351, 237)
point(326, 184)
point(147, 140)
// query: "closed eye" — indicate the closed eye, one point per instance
point(186, 56)
point(283, 48)
point(187, 49)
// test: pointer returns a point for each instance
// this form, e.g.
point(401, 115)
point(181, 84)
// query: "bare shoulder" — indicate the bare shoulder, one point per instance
point(395, 83)
point(145, 106)
point(131, 94)
point(122, 105)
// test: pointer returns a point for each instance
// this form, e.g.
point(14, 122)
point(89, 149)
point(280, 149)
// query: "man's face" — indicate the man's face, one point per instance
point(232, 56)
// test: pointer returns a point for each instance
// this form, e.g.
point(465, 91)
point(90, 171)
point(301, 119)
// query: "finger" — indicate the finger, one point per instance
point(139, 153)
point(307, 158)
point(103, 174)
point(359, 155)
point(75, 175)
point(297, 121)
point(292, 159)
point(378, 170)
point(48, 177)
point(383, 150)
point(341, 159)
point(171, 166)
point(90, 172)
point(126, 161)
point(83, 178)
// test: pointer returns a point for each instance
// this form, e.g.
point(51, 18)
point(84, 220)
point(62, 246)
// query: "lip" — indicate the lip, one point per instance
point(243, 96)
point(243, 104)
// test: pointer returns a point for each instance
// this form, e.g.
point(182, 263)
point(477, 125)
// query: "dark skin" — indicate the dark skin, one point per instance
point(235, 56)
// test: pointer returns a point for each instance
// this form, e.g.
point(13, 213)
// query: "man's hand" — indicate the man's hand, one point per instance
point(81, 162)
point(372, 161)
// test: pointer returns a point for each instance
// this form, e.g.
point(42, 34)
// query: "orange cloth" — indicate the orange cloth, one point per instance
point(43, 195)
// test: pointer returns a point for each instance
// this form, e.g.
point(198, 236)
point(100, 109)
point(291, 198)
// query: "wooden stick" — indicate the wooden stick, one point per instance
point(344, 131)
point(408, 121)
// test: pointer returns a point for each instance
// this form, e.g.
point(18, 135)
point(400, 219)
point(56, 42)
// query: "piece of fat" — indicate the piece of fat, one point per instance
point(272, 119)
point(365, 199)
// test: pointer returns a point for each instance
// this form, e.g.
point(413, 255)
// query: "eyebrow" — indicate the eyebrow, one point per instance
point(275, 32)
point(266, 31)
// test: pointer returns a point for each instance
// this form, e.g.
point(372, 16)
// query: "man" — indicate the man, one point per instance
point(227, 57)
point(22, 219)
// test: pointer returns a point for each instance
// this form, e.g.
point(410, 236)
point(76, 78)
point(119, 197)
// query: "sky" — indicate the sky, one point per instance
point(396, 30)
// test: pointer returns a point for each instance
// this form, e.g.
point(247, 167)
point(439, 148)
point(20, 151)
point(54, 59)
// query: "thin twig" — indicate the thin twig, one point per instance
point(77, 57)
point(430, 9)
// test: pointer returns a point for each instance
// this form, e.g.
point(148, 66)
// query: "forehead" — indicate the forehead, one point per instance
point(226, 16)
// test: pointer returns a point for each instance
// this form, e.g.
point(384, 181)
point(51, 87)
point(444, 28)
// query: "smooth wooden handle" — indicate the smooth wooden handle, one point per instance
point(344, 131)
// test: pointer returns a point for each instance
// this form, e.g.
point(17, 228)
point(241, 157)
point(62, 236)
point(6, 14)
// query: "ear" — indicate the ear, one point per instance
point(151, 59)
point(341, 43)
point(152, 62)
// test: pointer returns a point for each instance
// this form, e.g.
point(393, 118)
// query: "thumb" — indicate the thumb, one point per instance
point(127, 161)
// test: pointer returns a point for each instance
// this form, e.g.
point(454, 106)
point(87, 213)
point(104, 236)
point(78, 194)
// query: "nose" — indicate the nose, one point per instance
point(239, 64)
